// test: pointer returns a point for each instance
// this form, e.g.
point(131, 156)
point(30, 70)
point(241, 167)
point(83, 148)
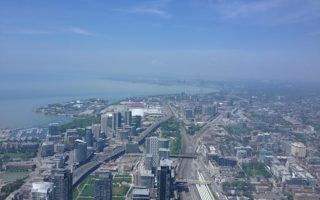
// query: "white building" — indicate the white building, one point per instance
point(96, 130)
point(104, 124)
point(152, 148)
point(298, 149)
point(42, 191)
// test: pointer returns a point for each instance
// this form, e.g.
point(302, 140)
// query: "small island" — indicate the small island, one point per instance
point(74, 108)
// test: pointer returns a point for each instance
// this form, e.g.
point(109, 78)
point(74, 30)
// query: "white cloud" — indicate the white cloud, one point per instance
point(33, 31)
point(155, 8)
point(269, 12)
point(235, 9)
point(27, 31)
point(80, 31)
point(149, 11)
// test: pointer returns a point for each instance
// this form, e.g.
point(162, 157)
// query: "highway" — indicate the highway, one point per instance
point(152, 128)
point(86, 169)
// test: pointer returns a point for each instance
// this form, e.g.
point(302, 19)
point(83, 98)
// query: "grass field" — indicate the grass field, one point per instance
point(121, 185)
point(256, 169)
point(85, 190)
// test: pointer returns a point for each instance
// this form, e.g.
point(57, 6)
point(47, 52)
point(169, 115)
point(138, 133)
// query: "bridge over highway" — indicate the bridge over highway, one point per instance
point(192, 181)
point(184, 155)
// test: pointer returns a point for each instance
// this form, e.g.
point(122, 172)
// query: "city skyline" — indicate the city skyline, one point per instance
point(160, 99)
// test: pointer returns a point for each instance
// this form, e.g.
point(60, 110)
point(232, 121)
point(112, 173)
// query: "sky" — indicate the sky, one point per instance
point(207, 39)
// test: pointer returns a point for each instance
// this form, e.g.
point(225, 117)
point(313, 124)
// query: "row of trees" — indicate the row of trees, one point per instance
point(10, 187)
point(171, 130)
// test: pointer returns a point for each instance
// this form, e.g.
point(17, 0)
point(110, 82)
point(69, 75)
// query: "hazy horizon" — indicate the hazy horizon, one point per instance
point(210, 39)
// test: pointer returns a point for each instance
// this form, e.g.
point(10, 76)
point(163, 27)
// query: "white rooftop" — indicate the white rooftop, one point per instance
point(42, 187)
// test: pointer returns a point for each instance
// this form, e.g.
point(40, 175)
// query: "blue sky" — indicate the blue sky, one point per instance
point(217, 39)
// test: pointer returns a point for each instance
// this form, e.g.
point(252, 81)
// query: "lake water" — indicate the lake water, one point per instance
point(19, 96)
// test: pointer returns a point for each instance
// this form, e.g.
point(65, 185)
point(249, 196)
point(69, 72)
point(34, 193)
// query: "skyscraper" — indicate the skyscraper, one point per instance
point(103, 186)
point(89, 136)
point(104, 124)
point(137, 121)
point(80, 151)
point(116, 120)
point(164, 180)
point(96, 131)
point(54, 129)
point(62, 181)
point(128, 117)
point(152, 148)
point(47, 149)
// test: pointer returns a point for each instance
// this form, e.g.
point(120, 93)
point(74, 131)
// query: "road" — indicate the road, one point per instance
point(152, 128)
point(85, 169)
point(189, 168)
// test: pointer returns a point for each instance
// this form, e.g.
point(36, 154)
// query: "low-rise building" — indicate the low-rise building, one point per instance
point(42, 191)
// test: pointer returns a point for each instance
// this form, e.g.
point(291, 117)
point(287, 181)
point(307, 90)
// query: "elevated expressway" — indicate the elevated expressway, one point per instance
point(86, 169)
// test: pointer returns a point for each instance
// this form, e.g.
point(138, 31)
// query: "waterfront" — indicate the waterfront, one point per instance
point(20, 97)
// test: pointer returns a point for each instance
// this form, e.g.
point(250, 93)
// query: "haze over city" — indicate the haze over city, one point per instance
point(159, 100)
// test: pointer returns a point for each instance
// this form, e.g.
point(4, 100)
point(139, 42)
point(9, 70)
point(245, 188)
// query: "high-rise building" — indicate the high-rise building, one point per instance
point(146, 179)
point(165, 180)
point(152, 148)
point(128, 117)
point(103, 186)
point(148, 161)
point(116, 120)
point(137, 121)
point(89, 136)
point(101, 143)
point(54, 129)
point(209, 110)
point(123, 134)
point(73, 134)
point(42, 191)
point(47, 149)
point(59, 148)
point(105, 123)
point(131, 129)
point(62, 181)
point(96, 131)
point(80, 152)
point(188, 113)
